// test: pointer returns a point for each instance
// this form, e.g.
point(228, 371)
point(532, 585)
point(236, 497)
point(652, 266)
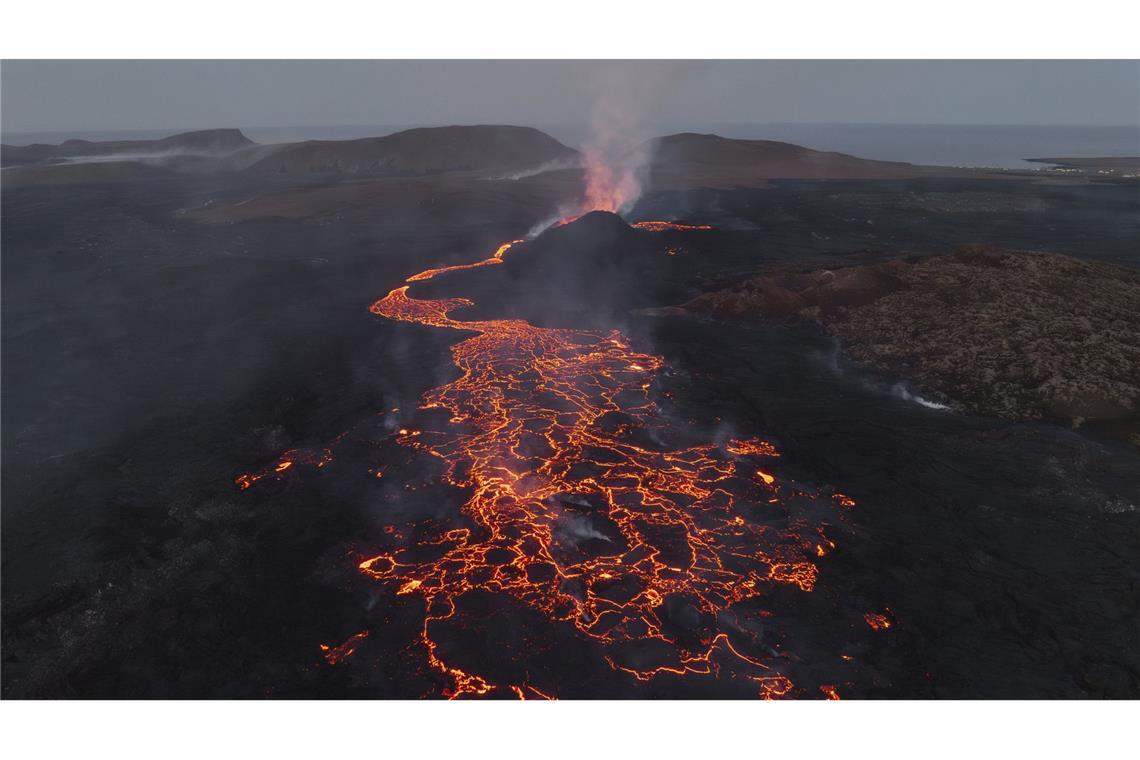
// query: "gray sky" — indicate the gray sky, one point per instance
point(62, 96)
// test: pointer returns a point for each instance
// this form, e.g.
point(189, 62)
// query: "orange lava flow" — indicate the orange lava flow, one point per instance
point(553, 429)
point(495, 258)
point(316, 458)
point(877, 622)
point(335, 655)
point(545, 431)
point(654, 226)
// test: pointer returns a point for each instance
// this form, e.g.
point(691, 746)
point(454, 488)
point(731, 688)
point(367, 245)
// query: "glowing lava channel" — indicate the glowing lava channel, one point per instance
point(544, 424)
point(534, 400)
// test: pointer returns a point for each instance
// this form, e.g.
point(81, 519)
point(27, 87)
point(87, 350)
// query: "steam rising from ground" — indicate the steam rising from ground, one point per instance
point(900, 390)
point(618, 150)
point(549, 166)
point(146, 157)
point(832, 361)
point(574, 529)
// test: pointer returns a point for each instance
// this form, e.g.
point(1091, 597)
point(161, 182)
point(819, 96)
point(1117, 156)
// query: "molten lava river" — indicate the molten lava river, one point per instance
point(556, 432)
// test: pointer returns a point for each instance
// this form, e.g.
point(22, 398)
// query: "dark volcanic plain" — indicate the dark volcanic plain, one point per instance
point(177, 315)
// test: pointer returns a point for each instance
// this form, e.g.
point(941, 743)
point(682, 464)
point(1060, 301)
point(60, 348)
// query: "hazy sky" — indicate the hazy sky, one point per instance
point(60, 96)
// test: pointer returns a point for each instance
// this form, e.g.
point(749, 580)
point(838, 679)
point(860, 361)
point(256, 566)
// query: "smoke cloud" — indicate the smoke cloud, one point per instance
point(618, 151)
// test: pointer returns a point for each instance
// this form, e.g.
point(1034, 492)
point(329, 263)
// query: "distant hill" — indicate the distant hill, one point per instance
point(207, 141)
point(689, 159)
point(485, 152)
point(420, 173)
point(79, 173)
point(426, 150)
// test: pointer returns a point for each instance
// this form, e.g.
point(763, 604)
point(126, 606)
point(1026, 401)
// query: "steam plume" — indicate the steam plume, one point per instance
point(618, 150)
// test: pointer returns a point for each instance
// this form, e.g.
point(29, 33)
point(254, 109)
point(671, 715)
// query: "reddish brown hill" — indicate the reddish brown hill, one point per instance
point(1011, 333)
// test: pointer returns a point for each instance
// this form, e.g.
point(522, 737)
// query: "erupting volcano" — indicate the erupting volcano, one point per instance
point(582, 506)
point(582, 503)
point(471, 412)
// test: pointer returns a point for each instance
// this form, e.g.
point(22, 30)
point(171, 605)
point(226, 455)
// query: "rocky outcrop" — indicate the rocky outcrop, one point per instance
point(1015, 334)
point(802, 295)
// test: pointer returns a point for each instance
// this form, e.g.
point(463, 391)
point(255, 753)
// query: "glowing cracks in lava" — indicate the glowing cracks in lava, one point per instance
point(751, 447)
point(315, 458)
point(877, 622)
point(522, 691)
point(802, 574)
point(774, 687)
point(681, 513)
point(336, 655)
point(534, 436)
point(844, 501)
point(656, 226)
